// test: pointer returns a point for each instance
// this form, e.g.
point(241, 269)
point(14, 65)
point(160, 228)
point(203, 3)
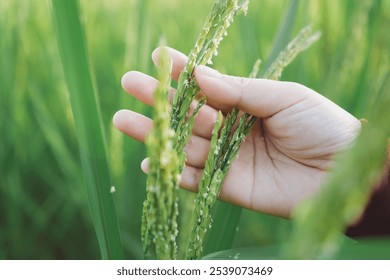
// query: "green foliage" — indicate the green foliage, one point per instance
point(88, 122)
point(226, 216)
point(43, 209)
point(301, 42)
point(349, 249)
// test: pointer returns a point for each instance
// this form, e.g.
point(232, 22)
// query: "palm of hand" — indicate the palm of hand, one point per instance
point(286, 156)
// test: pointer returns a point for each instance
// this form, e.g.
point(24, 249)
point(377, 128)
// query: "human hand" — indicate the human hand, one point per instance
point(288, 152)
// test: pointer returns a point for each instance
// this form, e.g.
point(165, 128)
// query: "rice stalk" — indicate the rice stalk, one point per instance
point(211, 35)
point(159, 221)
point(224, 150)
point(301, 42)
point(226, 216)
point(225, 141)
point(166, 143)
point(209, 188)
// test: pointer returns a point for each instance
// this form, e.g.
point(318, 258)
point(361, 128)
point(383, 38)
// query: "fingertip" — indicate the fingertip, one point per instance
point(202, 70)
point(155, 54)
point(216, 87)
point(126, 80)
point(132, 124)
point(118, 119)
point(206, 78)
point(145, 165)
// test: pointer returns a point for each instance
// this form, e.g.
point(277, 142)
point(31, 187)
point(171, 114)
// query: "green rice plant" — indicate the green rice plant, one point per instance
point(301, 42)
point(206, 46)
point(224, 148)
point(161, 209)
point(159, 227)
point(212, 33)
point(225, 145)
point(88, 122)
point(226, 216)
point(182, 121)
point(208, 191)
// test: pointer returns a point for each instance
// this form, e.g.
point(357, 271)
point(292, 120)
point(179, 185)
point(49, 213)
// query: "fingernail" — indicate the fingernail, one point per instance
point(207, 71)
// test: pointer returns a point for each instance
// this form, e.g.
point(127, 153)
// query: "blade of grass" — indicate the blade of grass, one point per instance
point(126, 153)
point(87, 117)
point(366, 249)
point(226, 218)
point(284, 33)
point(248, 253)
point(350, 249)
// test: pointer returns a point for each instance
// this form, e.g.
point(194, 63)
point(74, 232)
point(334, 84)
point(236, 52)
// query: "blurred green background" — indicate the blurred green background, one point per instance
point(43, 207)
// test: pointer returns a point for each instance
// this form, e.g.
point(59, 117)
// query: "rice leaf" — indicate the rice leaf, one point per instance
point(284, 32)
point(226, 217)
point(87, 117)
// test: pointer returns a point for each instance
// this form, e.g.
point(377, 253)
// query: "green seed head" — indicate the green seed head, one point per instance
point(159, 223)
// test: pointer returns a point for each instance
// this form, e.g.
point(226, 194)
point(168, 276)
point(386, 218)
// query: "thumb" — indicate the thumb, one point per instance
point(259, 97)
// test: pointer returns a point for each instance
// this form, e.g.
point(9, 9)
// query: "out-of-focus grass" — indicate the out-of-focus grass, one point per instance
point(40, 200)
point(43, 208)
point(90, 130)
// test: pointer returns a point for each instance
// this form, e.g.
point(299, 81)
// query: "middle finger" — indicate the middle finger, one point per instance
point(138, 127)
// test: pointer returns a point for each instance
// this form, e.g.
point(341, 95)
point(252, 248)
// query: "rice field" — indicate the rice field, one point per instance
point(45, 201)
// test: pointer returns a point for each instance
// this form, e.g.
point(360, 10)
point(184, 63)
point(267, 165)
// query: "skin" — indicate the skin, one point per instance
point(288, 152)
